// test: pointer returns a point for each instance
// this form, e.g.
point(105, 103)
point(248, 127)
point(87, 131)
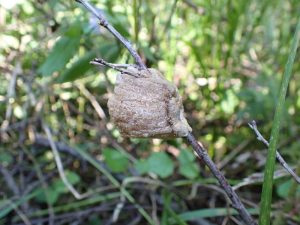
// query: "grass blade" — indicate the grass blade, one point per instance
point(266, 198)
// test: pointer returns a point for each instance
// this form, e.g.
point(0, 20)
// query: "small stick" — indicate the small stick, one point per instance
point(103, 22)
point(236, 202)
point(60, 167)
point(259, 136)
point(118, 67)
point(201, 152)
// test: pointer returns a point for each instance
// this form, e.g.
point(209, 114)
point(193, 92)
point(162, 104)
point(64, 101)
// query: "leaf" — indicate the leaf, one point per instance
point(78, 69)
point(142, 166)
point(72, 178)
point(188, 167)
point(161, 164)
point(63, 50)
point(52, 195)
point(284, 188)
point(57, 188)
point(186, 156)
point(115, 160)
point(209, 213)
point(230, 102)
point(5, 158)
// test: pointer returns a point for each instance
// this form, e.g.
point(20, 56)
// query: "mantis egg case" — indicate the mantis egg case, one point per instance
point(145, 104)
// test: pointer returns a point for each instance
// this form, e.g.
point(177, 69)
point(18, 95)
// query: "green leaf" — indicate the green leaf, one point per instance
point(230, 102)
point(59, 185)
point(56, 189)
point(52, 195)
point(284, 188)
point(109, 51)
point(188, 167)
point(186, 156)
point(78, 68)
point(142, 166)
point(63, 50)
point(5, 158)
point(115, 160)
point(161, 164)
point(210, 213)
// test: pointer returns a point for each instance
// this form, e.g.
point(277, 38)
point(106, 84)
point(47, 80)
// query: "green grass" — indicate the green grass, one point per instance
point(266, 200)
point(226, 57)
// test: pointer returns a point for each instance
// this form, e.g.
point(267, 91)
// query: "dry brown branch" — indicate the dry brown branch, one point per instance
point(280, 159)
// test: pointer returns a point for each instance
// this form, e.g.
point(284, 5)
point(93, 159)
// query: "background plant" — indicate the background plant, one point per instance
point(227, 59)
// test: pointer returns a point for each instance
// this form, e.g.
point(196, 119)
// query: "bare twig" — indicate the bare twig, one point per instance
point(253, 126)
point(11, 92)
point(22, 216)
point(118, 67)
point(103, 22)
point(39, 140)
point(201, 152)
point(93, 101)
point(236, 202)
point(7, 176)
point(258, 178)
point(60, 168)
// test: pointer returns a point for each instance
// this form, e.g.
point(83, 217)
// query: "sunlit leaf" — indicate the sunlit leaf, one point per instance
point(62, 52)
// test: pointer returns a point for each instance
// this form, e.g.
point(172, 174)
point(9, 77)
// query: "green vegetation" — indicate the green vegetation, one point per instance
point(227, 59)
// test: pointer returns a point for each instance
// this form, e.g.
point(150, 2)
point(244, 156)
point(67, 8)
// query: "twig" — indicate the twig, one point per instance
point(258, 178)
point(11, 184)
point(45, 186)
point(93, 101)
point(118, 67)
point(60, 168)
point(11, 92)
point(253, 126)
point(39, 140)
point(22, 216)
point(103, 22)
point(236, 202)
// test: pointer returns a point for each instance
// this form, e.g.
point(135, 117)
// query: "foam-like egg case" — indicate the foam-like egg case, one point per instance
point(147, 105)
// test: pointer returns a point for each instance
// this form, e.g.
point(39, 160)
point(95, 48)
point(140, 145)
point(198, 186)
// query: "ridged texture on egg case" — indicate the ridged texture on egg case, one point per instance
point(147, 106)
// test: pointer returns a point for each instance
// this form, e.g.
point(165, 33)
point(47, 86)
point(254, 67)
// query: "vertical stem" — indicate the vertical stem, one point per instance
point(265, 209)
point(136, 17)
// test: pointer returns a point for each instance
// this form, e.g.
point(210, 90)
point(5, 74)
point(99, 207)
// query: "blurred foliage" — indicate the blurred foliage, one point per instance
point(226, 58)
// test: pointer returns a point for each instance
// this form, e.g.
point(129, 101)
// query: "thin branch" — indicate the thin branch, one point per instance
point(11, 184)
point(60, 168)
point(118, 67)
point(253, 126)
point(93, 101)
point(22, 215)
point(258, 178)
point(103, 22)
point(41, 141)
point(236, 202)
point(10, 98)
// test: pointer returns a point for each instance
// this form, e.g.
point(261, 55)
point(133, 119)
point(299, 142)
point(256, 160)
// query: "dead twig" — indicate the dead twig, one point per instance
point(60, 168)
point(236, 202)
point(199, 149)
point(41, 141)
point(280, 159)
point(103, 22)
